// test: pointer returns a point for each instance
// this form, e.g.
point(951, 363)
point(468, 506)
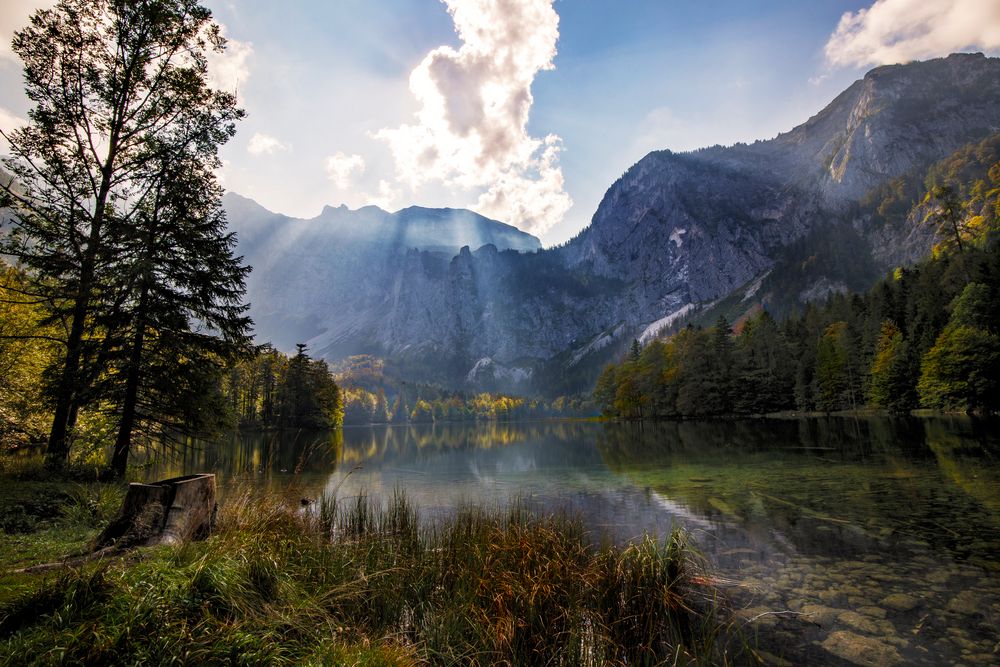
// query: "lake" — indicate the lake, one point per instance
point(872, 540)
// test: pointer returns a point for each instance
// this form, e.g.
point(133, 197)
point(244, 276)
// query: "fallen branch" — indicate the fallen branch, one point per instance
point(786, 612)
point(109, 552)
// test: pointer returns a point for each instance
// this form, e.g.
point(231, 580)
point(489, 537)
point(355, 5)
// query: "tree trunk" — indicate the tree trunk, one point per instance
point(57, 451)
point(123, 442)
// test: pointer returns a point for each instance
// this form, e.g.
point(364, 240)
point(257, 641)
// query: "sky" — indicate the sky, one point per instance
point(525, 110)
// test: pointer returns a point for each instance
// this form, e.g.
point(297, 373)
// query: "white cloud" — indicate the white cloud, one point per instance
point(9, 122)
point(386, 196)
point(533, 199)
point(230, 69)
point(261, 144)
point(471, 129)
point(340, 168)
point(895, 31)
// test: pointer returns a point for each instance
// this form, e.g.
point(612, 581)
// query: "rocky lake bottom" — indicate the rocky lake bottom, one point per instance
point(838, 541)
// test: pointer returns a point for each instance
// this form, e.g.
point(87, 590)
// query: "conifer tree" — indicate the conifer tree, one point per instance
point(831, 368)
point(892, 376)
point(309, 397)
point(634, 350)
point(947, 214)
point(180, 276)
point(119, 88)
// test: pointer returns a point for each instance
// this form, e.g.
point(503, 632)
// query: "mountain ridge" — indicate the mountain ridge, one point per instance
point(676, 231)
point(343, 260)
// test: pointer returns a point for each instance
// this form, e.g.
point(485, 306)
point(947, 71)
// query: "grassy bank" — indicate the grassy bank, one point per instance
point(360, 583)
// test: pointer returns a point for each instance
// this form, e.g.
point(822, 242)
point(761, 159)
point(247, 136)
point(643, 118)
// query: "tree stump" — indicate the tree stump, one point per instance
point(166, 512)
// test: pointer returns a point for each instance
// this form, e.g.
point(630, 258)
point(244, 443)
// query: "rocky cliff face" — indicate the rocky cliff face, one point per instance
point(676, 232)
point(724, 210)
point(335, 281)
point(897, 119)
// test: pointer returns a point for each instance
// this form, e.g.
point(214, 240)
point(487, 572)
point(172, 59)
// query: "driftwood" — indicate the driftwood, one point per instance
point(167, 512)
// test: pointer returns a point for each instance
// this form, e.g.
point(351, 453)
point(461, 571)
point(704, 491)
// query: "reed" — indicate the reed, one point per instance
point(357, 581)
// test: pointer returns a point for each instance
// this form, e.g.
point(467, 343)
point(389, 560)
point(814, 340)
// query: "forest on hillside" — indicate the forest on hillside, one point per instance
point(924, 337)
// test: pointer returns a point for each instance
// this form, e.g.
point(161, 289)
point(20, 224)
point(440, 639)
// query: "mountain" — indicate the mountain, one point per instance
point(330, 279)
point(679, 236)
point(723, 212)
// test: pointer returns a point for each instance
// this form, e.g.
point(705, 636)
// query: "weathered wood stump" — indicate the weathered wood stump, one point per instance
point(166, 512)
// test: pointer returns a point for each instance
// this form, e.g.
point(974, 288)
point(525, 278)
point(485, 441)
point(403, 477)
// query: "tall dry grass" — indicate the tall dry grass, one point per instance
point(355, 581)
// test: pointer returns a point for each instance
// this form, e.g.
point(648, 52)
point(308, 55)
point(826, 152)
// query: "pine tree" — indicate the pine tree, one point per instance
point(697, 394)
point(178, 275)
point(308, 397)
point(763, 368)
point(634, 350)
point(119, 88)
point(947, 214)
point(831, 368)
point(721, 376)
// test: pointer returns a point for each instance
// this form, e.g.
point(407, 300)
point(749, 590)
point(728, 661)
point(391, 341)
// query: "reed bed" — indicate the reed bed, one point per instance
point(357, 581)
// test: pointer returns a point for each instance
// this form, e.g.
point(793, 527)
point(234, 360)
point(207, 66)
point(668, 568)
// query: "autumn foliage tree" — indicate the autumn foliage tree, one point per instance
point(962, 370)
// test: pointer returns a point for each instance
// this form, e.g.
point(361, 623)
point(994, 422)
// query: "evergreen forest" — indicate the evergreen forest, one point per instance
point(926, 336)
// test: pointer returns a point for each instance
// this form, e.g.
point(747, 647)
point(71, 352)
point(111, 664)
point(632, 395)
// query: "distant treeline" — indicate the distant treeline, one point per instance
point(272, 390)
point(925, 337)
point(365, 407)
point(371, 397)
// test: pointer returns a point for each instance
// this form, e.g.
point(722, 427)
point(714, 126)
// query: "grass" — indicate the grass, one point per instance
point(353, 581)
point(42, 521)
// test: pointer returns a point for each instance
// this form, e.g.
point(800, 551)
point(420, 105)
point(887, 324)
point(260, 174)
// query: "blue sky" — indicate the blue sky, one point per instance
point(333, 116)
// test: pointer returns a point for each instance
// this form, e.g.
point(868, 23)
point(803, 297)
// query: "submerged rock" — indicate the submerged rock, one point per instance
point(900, 602)
point(939, 577)
point(859, 601)
point(966, 602)
point(820, 615)
point(860, 650)
point(796, 604)
point(858, 622)
point(758, 616)
point(874, 612)
point(831, 596)
point(772, 660)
